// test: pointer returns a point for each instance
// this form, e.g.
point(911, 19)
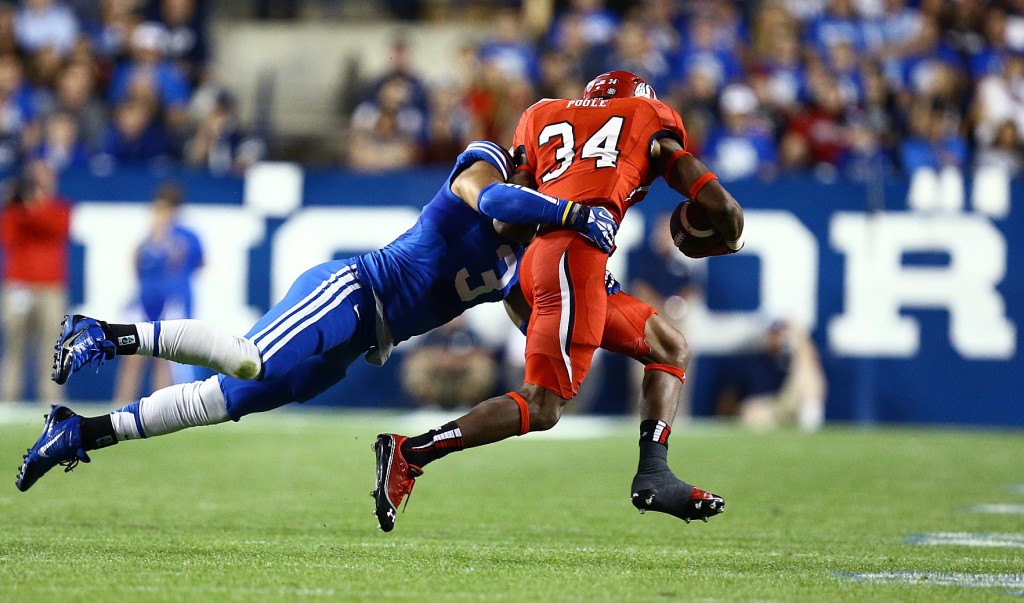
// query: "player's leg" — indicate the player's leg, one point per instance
point(299, 326)
point(563, 279)
point(68, 437)
point(86, 341)
point(569, 304)
point(634, 329)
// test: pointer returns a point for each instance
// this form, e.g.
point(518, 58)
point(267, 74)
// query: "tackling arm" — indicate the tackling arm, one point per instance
point(689, 177)
point(481, 187)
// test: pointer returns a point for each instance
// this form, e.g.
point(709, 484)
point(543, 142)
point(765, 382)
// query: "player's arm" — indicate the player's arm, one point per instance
point(688, 176)
point(482, 187)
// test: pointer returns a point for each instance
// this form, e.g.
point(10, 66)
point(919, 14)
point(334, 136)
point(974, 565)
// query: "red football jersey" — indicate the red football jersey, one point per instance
point(595, 151)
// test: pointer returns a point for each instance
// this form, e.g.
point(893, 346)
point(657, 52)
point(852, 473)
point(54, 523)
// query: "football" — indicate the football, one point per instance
point(692, 231)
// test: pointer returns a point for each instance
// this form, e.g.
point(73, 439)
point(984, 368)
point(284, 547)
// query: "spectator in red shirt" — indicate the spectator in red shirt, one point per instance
point(816, 136)
point(34, 233)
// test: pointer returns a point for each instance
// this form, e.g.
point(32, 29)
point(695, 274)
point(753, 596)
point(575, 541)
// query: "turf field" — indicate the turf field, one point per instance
point(277, 509)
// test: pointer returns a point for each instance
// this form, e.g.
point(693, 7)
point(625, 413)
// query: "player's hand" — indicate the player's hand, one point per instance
point(611, 284)
point(703, 247)
point(600, 229)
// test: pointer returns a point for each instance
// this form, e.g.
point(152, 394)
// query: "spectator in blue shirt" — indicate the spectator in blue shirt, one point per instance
point(165, 262)
point(219, 143)
point(740, 147)
point(149, 74)
point(989, 59)
point(634, 53)
point(401, 69)
point(783, 69)
point(45, 25)
point(135, 135)
point(925, 63)
point(185, 21)
point(662, 23)
point(839, 24)
point(509, 50)
point(75, 94)
point(778, 383)
point(18, 113)
point(62, 147)
point(933, 141)
point(597, 23)
point(702, 52)
point(891, 33)
point(844, 63)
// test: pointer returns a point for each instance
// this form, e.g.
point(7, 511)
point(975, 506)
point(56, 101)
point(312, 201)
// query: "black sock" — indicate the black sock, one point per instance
point(125, 337)
point(434, 444)
point(653, 445)
point(98, 432)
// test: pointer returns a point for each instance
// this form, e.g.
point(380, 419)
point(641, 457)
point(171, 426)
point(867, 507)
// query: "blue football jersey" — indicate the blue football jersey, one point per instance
point(449, 261)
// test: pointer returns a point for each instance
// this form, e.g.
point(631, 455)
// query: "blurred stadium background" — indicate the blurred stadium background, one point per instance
point(877, 145)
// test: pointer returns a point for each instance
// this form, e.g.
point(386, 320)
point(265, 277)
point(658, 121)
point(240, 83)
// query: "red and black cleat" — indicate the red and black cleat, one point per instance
point(395, 479)
point(698, 504)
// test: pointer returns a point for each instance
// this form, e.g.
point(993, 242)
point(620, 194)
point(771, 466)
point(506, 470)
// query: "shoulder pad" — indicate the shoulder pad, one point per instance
point(484, 150)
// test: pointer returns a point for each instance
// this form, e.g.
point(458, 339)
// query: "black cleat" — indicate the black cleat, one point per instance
point(395, 479)
point(668, 494)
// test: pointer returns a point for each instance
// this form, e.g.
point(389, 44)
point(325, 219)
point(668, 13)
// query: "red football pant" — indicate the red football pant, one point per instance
point(562, 277)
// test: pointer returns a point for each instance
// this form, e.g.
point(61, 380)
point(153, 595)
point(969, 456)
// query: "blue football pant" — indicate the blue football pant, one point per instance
point(307, 341)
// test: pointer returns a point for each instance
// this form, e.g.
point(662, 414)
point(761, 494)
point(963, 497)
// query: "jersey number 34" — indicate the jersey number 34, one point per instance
point(603, 146)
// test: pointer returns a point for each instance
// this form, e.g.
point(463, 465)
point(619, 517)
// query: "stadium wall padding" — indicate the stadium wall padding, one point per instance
point(917, 316)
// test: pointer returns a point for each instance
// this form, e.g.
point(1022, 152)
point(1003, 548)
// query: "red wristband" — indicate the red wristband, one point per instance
point(699, 184)
point(673, 158)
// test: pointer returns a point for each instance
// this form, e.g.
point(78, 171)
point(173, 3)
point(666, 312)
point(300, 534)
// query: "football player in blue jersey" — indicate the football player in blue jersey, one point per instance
point(453, 258)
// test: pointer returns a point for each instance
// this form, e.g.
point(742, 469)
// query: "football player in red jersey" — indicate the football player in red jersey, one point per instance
point(603, 150)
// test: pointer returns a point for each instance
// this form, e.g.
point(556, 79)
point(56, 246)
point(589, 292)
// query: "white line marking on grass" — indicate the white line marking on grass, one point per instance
point(1013, 541)
point(1016, 489)
point(1014, 581)
point(997, 509)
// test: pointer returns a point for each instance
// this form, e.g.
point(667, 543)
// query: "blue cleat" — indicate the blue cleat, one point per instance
point(82, 342)
point(60, 444)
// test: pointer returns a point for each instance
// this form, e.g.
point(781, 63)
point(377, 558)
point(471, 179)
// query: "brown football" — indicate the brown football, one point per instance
point(692, 231)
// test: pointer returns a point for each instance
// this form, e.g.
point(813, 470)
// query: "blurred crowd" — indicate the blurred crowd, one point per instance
point(838, 87)
point(100, 83)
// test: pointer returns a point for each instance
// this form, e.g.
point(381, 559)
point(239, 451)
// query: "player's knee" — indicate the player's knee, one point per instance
point(668, 346)
point(545, 407)
point(248, 362)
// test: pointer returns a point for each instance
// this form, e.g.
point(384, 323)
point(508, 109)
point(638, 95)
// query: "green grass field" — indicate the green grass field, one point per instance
point(277, 509)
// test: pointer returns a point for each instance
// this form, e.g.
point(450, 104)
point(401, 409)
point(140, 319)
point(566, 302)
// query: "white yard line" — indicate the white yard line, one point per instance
point(1013, 541)
point(1010, 581)
point(997, 509)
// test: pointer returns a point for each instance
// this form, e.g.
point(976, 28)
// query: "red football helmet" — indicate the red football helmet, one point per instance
point(618, 84)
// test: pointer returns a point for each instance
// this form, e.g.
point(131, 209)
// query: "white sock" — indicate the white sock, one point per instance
point(180, 406)
point(145, 330)
point(200, 343)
